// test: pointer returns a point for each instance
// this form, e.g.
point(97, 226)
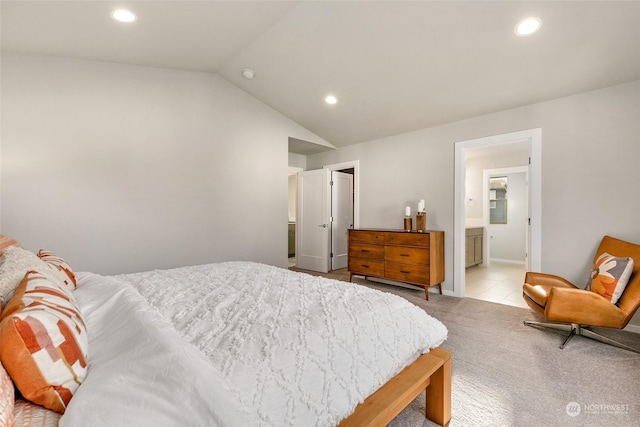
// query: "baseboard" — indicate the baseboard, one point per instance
point(507, 261)
point(632, 328)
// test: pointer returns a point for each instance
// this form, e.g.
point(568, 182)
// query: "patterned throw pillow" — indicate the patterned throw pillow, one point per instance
point(43, 342)
point(610, 275)
point(28, 414)
point(60, 266)
point(14, 264)
point(5, 242)
point(6, 399)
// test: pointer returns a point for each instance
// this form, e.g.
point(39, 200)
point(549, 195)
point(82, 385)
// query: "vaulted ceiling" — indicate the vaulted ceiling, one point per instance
point(394, 66)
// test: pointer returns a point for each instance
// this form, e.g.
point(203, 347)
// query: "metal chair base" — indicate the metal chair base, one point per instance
point(575, 329)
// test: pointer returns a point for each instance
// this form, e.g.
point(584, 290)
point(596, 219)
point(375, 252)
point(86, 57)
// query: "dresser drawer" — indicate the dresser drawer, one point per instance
point(407, 273)
point(405, 255)
point(367, 236)
point(366, 267)
point(408, 239)
point(364, 250)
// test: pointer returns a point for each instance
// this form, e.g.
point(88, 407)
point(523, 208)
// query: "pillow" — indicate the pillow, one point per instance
point(5, 242)
point(60, 267)
point(43, 342)
point(610, 276)
point(7, 399)
point(29, 415)
point(14, 264)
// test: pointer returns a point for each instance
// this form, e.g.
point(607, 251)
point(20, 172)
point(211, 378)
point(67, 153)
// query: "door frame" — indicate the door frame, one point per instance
point(339, 256)
point(534, 139)
point(355, 164)
point(295, 170)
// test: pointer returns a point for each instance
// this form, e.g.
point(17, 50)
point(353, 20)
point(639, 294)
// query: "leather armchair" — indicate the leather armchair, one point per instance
point(567, 307)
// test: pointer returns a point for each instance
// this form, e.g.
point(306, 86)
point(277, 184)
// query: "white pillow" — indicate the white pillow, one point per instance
point(14, 264)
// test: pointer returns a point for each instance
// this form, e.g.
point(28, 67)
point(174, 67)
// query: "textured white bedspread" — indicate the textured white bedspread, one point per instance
point(293, 349)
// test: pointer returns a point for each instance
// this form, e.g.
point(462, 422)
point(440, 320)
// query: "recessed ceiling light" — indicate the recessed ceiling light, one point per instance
point(331, 99)
point(248, 73)
point(528, 26)
point(123, 15)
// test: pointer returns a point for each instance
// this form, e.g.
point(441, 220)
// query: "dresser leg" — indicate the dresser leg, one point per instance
point(440, 287)
point(350, 276)
point(426, 292)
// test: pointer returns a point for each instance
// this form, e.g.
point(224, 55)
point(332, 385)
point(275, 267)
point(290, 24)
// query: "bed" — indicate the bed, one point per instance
point(242, 343)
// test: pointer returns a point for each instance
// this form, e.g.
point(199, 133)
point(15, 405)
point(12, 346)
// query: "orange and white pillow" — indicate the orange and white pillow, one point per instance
point(610, 275)
point(60, 267)
point(43, 342)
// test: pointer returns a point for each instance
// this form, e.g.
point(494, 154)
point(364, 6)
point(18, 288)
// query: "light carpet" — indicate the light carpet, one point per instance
point(507, 374)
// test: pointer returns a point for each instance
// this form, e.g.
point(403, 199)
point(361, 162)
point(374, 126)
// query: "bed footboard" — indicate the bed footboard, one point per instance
point(431, 371)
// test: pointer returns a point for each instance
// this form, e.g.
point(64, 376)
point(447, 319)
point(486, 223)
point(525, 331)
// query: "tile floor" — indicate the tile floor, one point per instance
point(501, 282)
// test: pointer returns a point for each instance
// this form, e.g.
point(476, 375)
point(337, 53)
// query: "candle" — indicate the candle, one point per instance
point(421, 205)
point(407, 211)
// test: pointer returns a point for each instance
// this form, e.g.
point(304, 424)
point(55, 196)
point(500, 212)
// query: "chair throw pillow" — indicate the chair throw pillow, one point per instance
point(43, 342)
point(610, 275)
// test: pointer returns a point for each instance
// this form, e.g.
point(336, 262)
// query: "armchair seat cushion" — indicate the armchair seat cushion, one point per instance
point(537, 286)
point(537, 293)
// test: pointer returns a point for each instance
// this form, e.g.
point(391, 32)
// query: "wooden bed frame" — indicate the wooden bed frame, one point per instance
point(431, 371)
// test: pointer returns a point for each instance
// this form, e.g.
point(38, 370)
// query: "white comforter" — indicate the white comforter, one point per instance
point(276, 347)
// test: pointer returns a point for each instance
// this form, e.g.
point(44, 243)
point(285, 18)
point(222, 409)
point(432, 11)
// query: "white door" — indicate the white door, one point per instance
point(313, 226)
point(341, 217)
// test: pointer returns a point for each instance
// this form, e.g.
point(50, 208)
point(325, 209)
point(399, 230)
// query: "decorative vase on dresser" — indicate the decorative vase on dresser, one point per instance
point(408, 257)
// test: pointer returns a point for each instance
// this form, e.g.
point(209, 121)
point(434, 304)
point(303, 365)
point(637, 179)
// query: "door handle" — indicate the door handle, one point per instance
point(323, 225)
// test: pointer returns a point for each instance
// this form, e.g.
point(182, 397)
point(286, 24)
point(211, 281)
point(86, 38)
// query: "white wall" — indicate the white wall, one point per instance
point(297, 160)
point(122, 168)
point(590, 174)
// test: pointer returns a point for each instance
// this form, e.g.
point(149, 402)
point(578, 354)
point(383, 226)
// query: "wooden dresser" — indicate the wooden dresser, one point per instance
point(409, 257)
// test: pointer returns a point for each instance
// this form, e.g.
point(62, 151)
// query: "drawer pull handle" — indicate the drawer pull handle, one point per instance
point(364, 266)
point(405, 272)
point(405, 254)
point(365, 250)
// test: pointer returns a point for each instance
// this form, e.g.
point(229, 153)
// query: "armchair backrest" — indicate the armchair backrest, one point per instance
point(630, 299)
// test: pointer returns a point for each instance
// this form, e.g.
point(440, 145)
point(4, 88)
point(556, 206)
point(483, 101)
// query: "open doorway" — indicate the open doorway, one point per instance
point(292, 177)
point(495, 273)
point(468, 197)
